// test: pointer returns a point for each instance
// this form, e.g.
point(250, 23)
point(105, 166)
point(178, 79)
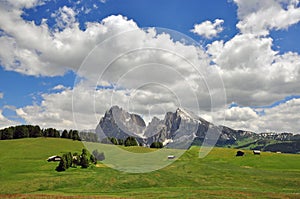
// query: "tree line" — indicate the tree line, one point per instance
point(31, 131)
point(129, 141)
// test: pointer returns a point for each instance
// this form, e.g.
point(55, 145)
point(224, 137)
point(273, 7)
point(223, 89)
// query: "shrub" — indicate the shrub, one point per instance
point(114, 141)
point(75, 159)
point(69, 159)
point(62, 166)
point(98, 156)
point(131, 141)
point(93, 159)
point(156, 145)
point(84, 162)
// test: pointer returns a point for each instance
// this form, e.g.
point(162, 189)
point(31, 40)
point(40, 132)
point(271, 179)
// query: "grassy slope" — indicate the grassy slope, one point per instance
point(24, 169)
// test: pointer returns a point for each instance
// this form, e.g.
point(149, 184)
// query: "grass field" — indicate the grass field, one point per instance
point(25, 173)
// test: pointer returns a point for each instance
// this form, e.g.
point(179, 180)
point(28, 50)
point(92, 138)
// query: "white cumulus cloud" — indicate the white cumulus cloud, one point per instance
point(59, 87)
point(253, 73)
point(281, 118)
point(65, 17)
point(240, 114)
point(5, 122)
point(259, 17)
point(37, 50)
point(208, 29)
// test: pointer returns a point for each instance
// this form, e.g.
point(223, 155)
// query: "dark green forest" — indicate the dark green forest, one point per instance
point(31, 131)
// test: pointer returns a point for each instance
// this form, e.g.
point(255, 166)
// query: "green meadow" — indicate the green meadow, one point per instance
point(25, 173)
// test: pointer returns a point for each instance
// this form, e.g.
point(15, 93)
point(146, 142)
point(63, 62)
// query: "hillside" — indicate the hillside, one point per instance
point(25, 173)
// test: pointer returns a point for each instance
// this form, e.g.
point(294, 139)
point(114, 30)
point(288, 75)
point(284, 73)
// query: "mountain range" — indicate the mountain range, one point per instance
point(182, 128)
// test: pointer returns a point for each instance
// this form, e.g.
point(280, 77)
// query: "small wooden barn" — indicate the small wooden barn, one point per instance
point(256, 152)
point(54, 158)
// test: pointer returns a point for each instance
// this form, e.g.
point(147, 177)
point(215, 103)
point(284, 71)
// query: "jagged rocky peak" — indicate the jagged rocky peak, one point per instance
point(189, 115)
point(118, 120)
point(121, 115)
point(138, 120)
point(110, 112)
point(154, 120)
point(113, 109)
point(177, 128)
point(154, 126)
point(120, 124)
point(182, 112)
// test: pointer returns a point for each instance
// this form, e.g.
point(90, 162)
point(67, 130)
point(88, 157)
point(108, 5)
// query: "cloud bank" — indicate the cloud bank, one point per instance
point(150, 72)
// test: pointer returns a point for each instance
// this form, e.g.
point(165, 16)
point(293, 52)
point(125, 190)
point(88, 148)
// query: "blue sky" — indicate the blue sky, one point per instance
point(175, 15)
point(253, 46)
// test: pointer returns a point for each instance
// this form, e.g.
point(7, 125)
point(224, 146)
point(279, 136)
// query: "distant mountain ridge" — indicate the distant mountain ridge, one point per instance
point(179, 128)
point(182, 128)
